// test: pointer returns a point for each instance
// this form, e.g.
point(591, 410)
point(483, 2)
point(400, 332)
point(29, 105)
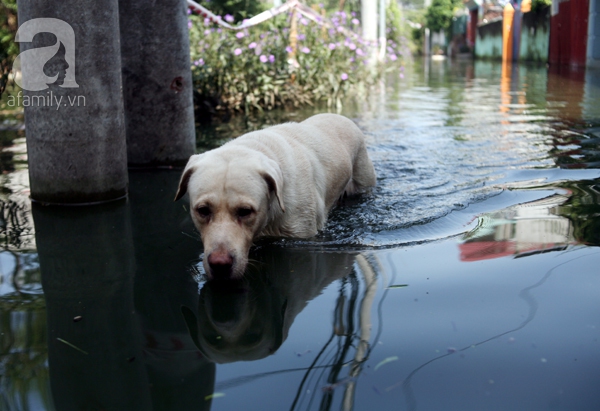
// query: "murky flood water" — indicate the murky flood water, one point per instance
point(468, 279)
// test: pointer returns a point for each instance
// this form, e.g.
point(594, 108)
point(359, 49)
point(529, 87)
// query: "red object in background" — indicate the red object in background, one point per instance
point(568, 33)
point(486, 250)
point(580, 11)
point(472, 27)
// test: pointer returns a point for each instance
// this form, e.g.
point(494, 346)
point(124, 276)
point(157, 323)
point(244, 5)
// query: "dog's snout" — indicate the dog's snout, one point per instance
point(220, 263)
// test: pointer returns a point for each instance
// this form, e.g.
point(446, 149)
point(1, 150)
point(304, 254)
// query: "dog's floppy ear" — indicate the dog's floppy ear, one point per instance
point(185, 177)
point(272, 174)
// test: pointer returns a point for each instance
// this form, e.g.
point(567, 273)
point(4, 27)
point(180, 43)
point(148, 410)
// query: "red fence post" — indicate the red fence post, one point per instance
point(579, 32)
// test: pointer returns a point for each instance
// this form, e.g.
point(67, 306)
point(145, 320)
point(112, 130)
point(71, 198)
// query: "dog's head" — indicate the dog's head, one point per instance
point(233, 192)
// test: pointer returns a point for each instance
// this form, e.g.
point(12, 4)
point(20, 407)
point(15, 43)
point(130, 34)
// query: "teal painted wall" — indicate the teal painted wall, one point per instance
point(488, 44)
point(535, 36)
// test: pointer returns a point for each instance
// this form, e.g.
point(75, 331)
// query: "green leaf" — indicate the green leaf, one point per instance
point(386, 361)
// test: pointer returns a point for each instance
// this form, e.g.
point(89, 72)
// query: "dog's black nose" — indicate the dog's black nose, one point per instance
point(220, 263)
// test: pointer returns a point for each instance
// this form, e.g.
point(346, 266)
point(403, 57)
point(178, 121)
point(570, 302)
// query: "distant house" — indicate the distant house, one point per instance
point(567, 33)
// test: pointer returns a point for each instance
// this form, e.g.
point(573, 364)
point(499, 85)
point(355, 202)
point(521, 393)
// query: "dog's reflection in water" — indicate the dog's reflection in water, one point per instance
point(248, 319)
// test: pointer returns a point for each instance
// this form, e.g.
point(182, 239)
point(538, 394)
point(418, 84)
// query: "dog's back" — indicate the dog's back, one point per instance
point(321, 158)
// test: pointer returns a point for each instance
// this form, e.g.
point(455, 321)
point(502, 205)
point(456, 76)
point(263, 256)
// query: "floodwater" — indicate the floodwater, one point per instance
point(468, 279)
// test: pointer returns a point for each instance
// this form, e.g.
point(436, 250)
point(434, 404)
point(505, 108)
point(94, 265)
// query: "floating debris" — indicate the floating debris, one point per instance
point(214, 395)
point(398, 286)
point(71, 345)
point(300, 354)
point(387, 360)
point(77, 318)
point(331, 387)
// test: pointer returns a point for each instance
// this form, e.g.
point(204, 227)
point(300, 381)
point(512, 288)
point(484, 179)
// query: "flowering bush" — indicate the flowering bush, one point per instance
point(257, 67)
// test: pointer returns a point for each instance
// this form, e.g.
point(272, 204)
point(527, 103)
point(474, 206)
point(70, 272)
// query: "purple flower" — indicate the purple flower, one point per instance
point(271, 58)
point(303, 21)
point(207, 32)
point(199, 62)
point(229, 18)
point(189, 11)
point(355, 22)
point(301, 37)
point(305, 50)
point(331, 46)
point(206, 21)
point(289, 49)
point(237, 51)
point(344, 76)
point(352, 46)
point(393, 57)
point(263, 58)
point(401, 75)
point(239, 35)
point(360, 52)
point(189, 24)
point(252, 45)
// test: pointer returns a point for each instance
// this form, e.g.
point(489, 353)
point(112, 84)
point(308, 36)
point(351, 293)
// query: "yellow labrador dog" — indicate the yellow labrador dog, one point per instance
point(281, 181)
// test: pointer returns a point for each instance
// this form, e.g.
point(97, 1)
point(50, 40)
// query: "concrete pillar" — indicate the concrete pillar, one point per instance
point(516, 33)
point(157, 82)
point(94, 337)
point(368, 11)
point(72, 99)
point(507, 32)
point(382, 29)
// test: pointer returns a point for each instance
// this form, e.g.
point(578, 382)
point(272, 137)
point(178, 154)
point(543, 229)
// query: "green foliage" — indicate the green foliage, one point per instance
point(394, 22)
point(439, 15)
point(537, 5)
point(417, 38)
point(239, 9)
point(256, 69)
point(396, 27)
point(8, 48)
point(417, 35)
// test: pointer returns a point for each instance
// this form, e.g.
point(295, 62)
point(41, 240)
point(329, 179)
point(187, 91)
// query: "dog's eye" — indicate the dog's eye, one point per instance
point(244, 211)
point(203, 211)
